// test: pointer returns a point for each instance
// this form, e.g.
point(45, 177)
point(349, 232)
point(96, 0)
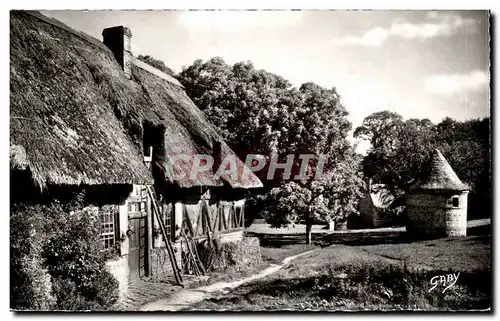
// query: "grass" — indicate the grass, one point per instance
point(276, 255)
point(471, 253)
point(291, 235)
point(227, 275)
point(264, 228)
point(270, 255)
point(370, 277)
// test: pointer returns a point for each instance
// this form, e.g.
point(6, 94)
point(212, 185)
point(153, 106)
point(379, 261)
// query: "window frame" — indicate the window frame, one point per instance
point(108, 224)
point(454, 201)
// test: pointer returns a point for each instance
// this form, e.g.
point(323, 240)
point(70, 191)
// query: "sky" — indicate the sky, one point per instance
point(420, 64)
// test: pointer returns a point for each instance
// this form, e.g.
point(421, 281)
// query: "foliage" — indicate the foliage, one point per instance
point(381, 130)
point(254, 206)
point(61, 242)
point(392, 216)
point(399, 148)
point(260, 112)
point(158, 64)
point(330, 199)
point(30, 286)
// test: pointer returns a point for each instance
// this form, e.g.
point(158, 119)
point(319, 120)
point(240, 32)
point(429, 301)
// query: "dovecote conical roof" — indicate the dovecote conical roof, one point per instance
point(437, 174)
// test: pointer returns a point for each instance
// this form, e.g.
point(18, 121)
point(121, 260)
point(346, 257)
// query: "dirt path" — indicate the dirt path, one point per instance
point(186, 298)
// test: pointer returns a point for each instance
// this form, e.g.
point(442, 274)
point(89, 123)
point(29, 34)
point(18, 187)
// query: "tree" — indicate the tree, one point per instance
point(259, 112)
point(158, 64)
point(381, 129)
point(467, 147)
point(416, 141)
point(248, 106)
point(330, 199)
point(400, 148)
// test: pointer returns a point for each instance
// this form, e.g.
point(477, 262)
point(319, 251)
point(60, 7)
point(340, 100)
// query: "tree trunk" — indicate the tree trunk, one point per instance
point(308, 233)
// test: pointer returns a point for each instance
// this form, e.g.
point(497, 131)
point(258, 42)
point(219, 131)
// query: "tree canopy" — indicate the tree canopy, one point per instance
point(399, 148)
point(259, 112)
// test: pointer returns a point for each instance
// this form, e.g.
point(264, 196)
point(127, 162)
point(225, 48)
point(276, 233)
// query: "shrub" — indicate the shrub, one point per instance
point(98, 297)
point(30, 286)
point(216, 255)
point(388, 285)
point(57, 259)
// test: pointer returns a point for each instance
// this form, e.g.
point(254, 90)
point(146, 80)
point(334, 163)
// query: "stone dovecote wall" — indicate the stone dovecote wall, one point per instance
point(435, 214)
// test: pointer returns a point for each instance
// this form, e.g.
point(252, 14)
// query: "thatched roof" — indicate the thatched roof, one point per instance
point(76, 118)
point(437, 175)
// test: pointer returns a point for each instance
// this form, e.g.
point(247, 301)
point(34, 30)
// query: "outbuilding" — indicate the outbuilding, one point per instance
point(437, 201)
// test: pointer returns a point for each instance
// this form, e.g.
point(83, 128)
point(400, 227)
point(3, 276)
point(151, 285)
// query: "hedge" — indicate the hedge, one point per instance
point(57, 259)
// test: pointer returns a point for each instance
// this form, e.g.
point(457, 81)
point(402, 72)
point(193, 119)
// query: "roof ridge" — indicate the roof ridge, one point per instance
point(59, 24)
point(155, 71)
point(96, 42)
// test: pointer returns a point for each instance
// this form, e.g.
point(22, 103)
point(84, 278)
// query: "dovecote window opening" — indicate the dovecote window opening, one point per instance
point(454, 201)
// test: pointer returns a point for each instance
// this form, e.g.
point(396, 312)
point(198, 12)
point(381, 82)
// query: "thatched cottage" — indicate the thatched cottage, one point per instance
point(373, 207)
point(86, 114)
point(437, 201)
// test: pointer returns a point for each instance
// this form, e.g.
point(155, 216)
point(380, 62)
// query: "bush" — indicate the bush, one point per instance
point(57, 260)
point(30, 286)
point(381, 284)
point(240, 254)
point(99, 297)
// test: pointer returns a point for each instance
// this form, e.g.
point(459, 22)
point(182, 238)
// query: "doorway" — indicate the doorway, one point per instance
point(138, 254)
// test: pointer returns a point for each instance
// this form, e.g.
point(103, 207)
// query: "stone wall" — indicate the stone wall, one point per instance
point(161, 267)
point(246, 251)
point(231, 237)
point(434, 214)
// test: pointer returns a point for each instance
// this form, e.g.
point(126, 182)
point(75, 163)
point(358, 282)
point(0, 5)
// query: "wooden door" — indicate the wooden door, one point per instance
point(138, 239)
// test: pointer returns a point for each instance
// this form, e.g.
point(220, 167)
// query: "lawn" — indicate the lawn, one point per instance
point(263, 228)
point(270, 255)
point(290, 235)
point(276, 255)
point(370, 277)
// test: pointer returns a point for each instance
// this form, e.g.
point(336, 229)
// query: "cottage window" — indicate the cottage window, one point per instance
point(107, 228)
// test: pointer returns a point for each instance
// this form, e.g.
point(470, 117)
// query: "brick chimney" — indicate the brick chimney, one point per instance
point(118, 40)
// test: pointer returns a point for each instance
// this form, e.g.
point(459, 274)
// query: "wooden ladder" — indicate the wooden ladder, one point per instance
point(168, 242)
point(193, 257)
